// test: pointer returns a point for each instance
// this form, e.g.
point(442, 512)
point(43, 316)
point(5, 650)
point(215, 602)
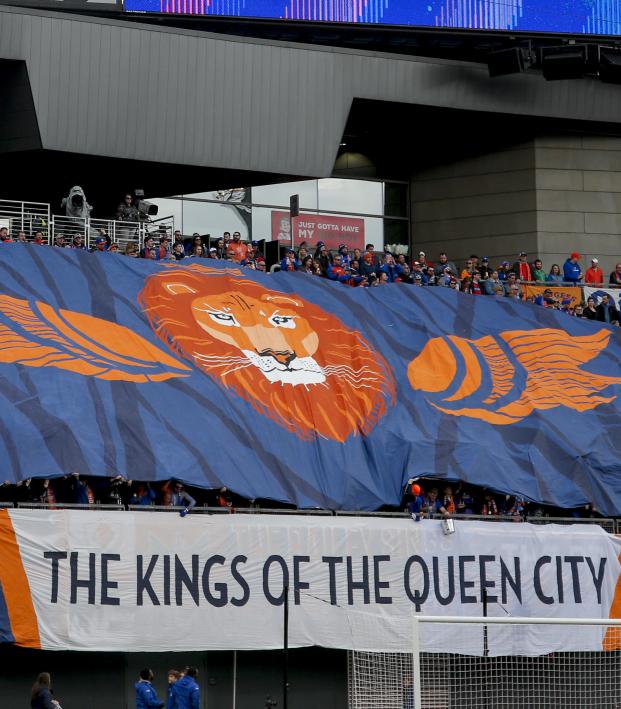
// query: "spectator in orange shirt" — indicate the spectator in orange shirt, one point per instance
point(238, 251)
point(468, 270)
point(522, 268)
point(594, 275)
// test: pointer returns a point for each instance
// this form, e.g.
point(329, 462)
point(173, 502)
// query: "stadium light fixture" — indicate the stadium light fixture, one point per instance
point(565, 62)
point(609, 69)
point(508, 61)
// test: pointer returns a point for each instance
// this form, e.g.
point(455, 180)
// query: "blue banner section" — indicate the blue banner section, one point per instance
point(291, 387)
point(565, 16)
point(6, 634)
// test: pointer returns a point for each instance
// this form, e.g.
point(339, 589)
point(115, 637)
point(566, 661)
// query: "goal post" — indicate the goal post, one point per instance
point(495, 662)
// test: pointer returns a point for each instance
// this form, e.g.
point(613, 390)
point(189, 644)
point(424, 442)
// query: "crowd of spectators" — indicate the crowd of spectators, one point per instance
point(116, 490)
point(422, 497)
point(369, 268)
point(477, 276)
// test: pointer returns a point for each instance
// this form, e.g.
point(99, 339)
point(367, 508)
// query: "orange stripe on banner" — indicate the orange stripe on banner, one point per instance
point(15, 587)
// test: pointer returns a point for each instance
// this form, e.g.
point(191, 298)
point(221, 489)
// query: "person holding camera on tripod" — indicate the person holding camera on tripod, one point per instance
point(126, 211)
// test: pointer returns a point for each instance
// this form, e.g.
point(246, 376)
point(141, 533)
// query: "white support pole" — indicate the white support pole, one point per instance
point(234, 702)
point(416, 675)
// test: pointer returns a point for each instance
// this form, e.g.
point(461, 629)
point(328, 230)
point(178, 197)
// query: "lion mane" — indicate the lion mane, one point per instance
point(353, 384)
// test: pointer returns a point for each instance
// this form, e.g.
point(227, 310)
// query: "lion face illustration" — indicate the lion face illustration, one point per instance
point(294, 362)
point(271, 332)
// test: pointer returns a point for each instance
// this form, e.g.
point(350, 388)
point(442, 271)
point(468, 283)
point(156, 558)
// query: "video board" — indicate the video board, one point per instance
point(556, 16)
point(112, 6)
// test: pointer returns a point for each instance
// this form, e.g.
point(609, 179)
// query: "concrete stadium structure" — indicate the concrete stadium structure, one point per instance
point(493, 164)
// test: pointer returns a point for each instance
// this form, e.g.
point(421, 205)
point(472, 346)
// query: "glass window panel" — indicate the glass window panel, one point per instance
point(215, 219)
point(396, 233)
point(278, 195)
point(374, 232)
point(262, 223)
point(395, 199)
point(359, 196)
point(170, 208)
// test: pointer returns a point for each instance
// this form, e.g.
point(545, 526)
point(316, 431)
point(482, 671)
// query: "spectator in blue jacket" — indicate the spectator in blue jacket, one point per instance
point(146, 696)
point(345, 257)
point(390, 268)
point(290, 262)
point(143, 495)
point(336, 271)
point(572, 273)
point(173, 677)
point(416, 503)
point(186, 693)
point(368, 264)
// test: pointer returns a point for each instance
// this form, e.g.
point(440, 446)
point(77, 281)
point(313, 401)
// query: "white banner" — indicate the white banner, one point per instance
point(83, 580)
point(596, 293)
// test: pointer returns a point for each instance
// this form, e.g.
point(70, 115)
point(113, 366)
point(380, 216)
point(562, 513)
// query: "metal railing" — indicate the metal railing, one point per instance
point(121, 233)
point(68, 506)
point(609, 524)
point(28, 217)
point(567, 284)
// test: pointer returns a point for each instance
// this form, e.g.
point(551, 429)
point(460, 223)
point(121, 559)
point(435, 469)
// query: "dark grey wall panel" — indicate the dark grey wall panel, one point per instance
point(120, 89)
point(318, 677)
point(18, 120)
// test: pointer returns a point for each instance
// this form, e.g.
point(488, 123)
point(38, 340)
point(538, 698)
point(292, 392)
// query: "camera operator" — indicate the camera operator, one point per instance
point(127, 211)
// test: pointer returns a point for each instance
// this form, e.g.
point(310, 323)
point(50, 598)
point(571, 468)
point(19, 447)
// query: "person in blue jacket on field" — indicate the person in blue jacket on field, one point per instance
point(572, 273)
point(186, 693)
point(173, 677)
point(146, 696)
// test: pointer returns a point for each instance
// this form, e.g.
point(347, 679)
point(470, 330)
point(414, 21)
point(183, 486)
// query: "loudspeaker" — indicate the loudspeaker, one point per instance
point(610, 67)
point(274, 252)
point(566, 62)
point(507, 61)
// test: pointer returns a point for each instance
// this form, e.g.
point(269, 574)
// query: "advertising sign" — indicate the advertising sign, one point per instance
point(311, 228)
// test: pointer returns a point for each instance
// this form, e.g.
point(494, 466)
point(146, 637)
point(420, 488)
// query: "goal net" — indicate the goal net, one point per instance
point(495, 663)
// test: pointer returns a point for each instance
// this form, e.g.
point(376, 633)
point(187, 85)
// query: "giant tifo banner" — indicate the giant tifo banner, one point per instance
point(81, 580)
point(311, 228)
point(291, 387)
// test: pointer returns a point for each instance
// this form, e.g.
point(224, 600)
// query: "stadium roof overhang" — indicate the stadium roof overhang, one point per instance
point(123, 103)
